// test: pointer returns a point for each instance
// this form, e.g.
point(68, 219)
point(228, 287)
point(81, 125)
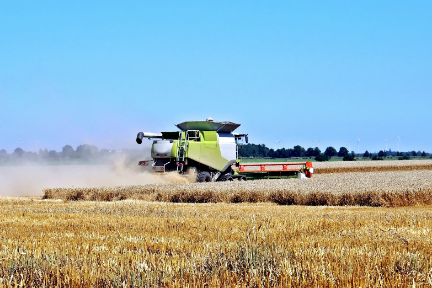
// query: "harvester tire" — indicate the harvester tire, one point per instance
point(226, 177)
point(204, 176)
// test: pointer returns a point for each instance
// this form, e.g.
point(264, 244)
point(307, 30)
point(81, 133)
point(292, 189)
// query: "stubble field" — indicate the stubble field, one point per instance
point(335, 230)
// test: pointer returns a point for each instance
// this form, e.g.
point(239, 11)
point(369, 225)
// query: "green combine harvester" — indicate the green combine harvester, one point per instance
point(211, 150)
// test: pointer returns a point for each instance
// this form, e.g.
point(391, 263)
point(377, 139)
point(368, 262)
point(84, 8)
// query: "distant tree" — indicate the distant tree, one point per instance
point(43, 153)
point(375, 157)
point(322, 158)
point(366, 154)
point(67, 151)
point(298, 151)
point(86, 151)
point(381, 154)
point(330, 152)
point(52, 154)
point(251, 150)
point(414, 153)
point(423, 154)
point(310, 152)
point(404, 157)
point(343, 152)
point(3, 155)
point(18, 152)
point(271, 153)
point(317, 151)
point(280, 153)
point(349, 157)
point(261, 150)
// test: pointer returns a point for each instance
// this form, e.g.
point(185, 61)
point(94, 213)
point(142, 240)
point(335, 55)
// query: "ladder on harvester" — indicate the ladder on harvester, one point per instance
point(182, 145)
point(181, 150)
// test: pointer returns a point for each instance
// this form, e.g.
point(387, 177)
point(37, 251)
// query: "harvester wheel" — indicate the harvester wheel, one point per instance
point(226, 177)
point(204, 176)
point(242, 178)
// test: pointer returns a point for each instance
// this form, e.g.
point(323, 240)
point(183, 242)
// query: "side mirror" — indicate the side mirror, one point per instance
point(247, 139)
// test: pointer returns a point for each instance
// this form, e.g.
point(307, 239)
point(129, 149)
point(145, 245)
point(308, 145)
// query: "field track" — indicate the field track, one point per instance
point(385, 189)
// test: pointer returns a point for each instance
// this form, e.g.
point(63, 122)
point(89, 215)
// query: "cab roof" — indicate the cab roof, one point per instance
point(220, 127)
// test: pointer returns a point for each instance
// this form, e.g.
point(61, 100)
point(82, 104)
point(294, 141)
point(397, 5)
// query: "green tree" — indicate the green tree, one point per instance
point(53, 154)
point(262, 150)
point(343, 152)
point(366, 154)
point(67, 151)
point(330, 152)
point(423, 154)
point(322, 158)
point(299, 151)
point(349, 157)
point(310, 152)
point(317, 151)
point(19, 152)
point(381, 154)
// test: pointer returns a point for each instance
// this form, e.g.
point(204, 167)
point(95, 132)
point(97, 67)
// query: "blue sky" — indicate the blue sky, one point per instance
point(98, 72)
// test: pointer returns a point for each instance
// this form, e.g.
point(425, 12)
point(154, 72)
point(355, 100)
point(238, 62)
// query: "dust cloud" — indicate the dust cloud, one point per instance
point(31, 179)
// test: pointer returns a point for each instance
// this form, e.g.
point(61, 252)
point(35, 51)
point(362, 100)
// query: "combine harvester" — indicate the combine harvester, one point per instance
point(210, 149)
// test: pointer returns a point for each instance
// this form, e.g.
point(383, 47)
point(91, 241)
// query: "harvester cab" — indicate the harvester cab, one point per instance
point(210, 149)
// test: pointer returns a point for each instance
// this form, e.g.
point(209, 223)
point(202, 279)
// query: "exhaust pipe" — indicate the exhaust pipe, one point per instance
point(139, 138)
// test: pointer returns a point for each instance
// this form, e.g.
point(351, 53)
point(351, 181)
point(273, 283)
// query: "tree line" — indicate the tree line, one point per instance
point(87, 152)
point(83, 152)
point(261, 151)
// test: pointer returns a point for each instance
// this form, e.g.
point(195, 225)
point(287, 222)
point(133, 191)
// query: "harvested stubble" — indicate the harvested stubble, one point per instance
point(371, 166)
point(139, 244)
point(390, 189)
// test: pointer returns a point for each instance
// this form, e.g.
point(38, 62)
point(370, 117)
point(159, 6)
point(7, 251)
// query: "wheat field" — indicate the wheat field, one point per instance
point(135, 243)
point(387, 189)
point(361, 229)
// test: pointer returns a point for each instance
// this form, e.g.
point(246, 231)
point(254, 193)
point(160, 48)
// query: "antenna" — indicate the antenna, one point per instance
point(398, 144)
point(279, 143)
